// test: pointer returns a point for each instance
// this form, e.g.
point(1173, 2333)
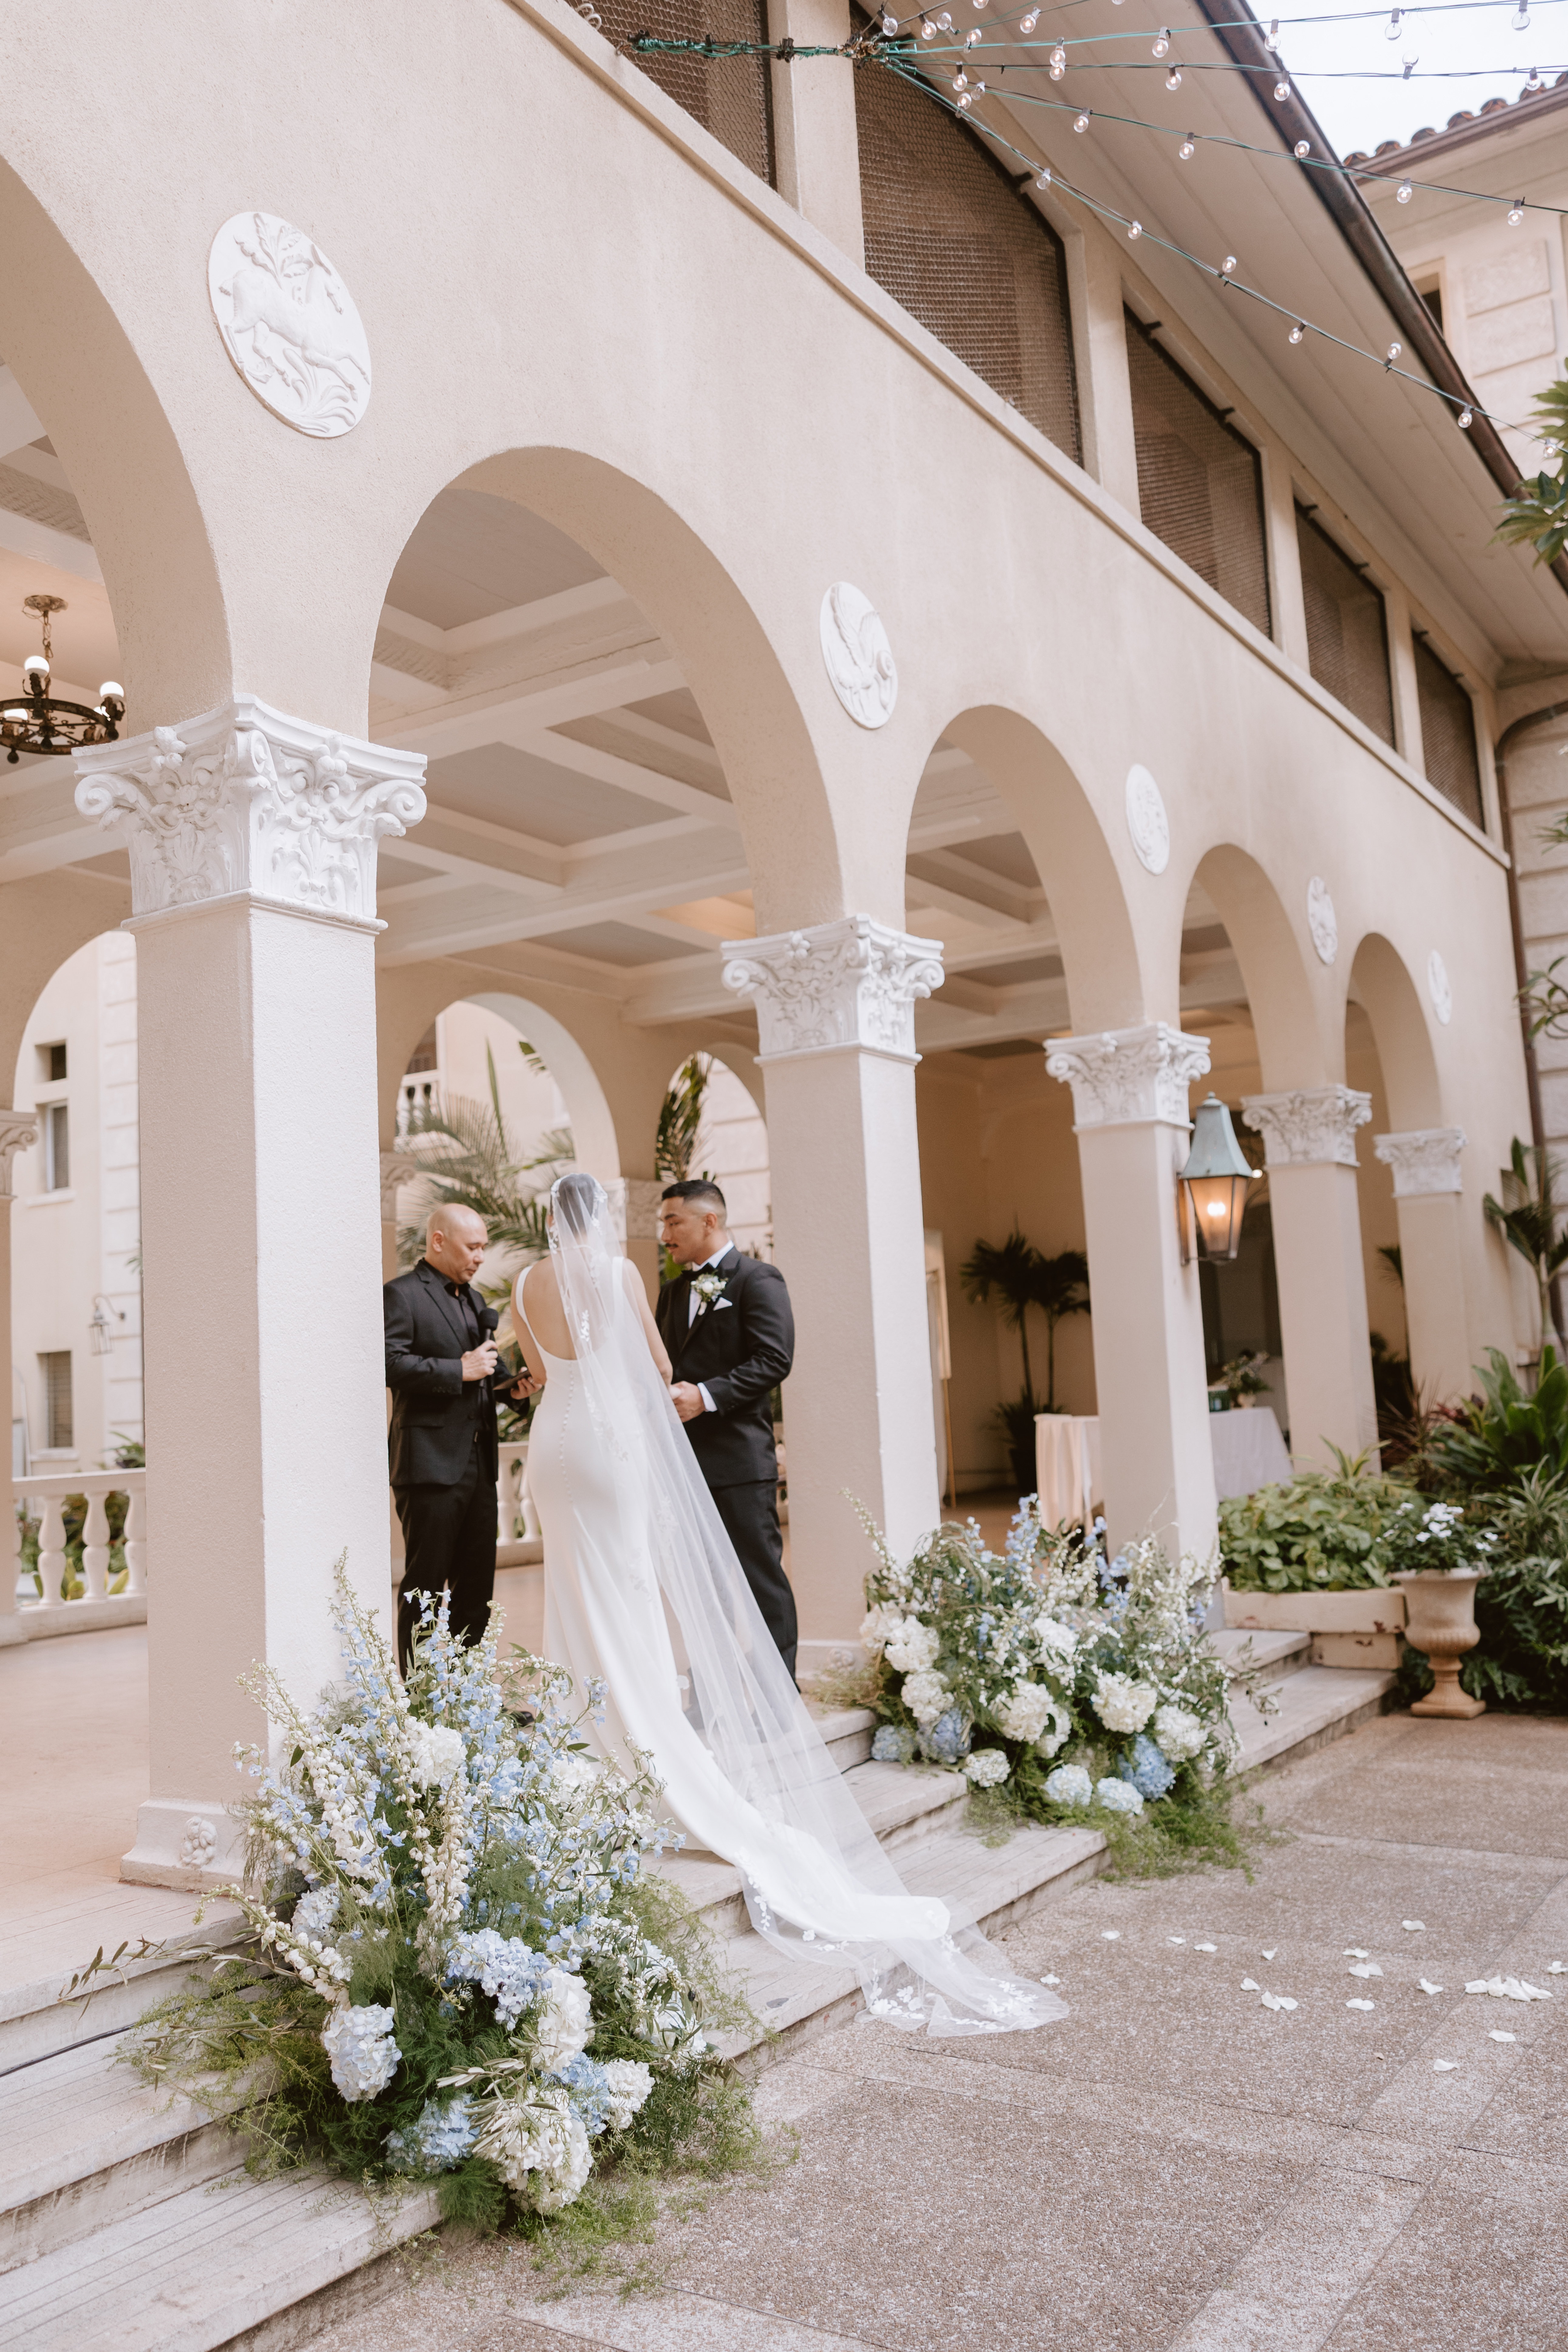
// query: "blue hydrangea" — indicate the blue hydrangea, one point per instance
point(1145, 1766)
point(1118, 1796)
point(948, 1739)
point(1069, 1784)
point(591, 2092)
point(503, 1965)
point(316, 1912)
point(441, 2138)
point(365, 2056)
point(893, 1746)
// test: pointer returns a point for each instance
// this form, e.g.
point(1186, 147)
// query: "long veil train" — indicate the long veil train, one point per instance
point(644, 1589)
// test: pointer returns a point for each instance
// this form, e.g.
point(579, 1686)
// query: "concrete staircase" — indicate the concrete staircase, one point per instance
point(125, 2225)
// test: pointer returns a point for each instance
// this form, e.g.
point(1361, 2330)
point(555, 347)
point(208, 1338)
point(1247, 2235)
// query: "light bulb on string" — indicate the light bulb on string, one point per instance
point(1465, 420)
point(1058, 62)
point(1516, 212)
point(1081, 121)
point(1393, 353)
point(1390, 30)
point(1301, 150)
point(1534, 85)
point(1134, 231)
point(1187, 149)
point(1404, 192)
point(1271, 38)
point(1174, 79)
point(1162, 42)
point(1409, 62)
point(890, 22)
point(1044, 180)
point(1229, 265)
point(1297, 332)
point(965, 100)
point(1521, 18)
point(928, 30)
point(961, 81)
point(1281, 92)
point(945, 23)
point(969, 39)
point(1028, 23)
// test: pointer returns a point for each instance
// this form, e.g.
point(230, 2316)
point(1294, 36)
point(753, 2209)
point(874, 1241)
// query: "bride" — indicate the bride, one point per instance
point(643, 1591)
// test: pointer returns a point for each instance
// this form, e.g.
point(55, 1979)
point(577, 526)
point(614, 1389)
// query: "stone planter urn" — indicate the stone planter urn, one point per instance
point(1441, 1620)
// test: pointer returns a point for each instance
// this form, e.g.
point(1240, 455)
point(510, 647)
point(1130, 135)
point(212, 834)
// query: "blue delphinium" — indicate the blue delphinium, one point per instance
point(441, 2138)
point(948, 1738)
point(893, 1745)
point(1146, 1767)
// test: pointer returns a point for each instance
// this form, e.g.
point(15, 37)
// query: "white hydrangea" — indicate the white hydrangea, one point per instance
point(1069, 1784)
point(364, 2055)
point(1058, 1732)
point(538, 2142)
point(1178, 1733)
point(875, 1625)
point(1122, 1704)
point(1118, 1796)
point(1056, 1642)
point(437, 1753)
point(1025, 1711)
point(911, 1647)
point(926, 1695)
point(628, 2083)
point(564, 2021)
point(987, 1767)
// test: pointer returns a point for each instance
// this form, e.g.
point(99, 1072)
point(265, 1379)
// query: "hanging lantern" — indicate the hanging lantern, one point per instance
point(1213, 1185)
point(40, 723)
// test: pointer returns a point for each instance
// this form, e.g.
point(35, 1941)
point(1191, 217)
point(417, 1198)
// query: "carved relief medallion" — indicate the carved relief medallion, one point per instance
point(289, 323)
point(1147, 821)
point(1321, 919)
point(858, 656)
point(1438, 988)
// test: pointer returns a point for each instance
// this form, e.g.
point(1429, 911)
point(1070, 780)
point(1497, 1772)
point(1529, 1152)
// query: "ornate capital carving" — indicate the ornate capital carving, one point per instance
point(19, 1133)
point(1310, 1129)
point(842, 985)
point(396, 1170)
point(1425, 1160)
point(247, 799)
point(1124, 1077)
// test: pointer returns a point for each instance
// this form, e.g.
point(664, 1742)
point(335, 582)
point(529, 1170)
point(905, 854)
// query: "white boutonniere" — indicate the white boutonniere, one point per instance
point(708, 1290)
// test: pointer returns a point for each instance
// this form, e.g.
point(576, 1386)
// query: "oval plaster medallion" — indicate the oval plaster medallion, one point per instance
point(1321, 919)
point(289, 323)
point(1439, 989)
point(858, 656)
point(1147, 821)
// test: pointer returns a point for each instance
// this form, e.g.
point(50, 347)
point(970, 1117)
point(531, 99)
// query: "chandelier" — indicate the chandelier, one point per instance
point(39, 721)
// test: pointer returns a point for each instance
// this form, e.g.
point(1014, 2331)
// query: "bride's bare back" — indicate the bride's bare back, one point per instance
point(540, 1325)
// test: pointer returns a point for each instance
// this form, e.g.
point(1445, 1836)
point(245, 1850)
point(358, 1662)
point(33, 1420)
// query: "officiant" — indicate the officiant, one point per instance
point(726, 1322)
point(446, 1388)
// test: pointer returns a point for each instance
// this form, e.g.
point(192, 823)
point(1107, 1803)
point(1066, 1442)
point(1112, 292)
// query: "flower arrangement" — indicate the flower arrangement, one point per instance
point(459, 1969)
point(1068, 1681)
point(1439, 1539)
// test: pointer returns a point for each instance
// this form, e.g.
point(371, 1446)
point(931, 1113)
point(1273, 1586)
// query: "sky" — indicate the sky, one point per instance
point(1463, 56)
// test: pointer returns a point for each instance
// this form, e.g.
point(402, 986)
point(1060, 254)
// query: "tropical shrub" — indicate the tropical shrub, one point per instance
point(1504, 1433)
point(1325, 1531)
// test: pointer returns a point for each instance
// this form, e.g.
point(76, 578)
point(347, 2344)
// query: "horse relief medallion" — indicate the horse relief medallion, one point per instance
point(289, 325)
point(858, 656)
point(1147, 821)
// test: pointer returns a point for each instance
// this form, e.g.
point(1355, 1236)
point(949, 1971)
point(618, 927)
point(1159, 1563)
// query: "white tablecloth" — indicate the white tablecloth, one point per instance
point(1067, 1467)
point(1248, 1451)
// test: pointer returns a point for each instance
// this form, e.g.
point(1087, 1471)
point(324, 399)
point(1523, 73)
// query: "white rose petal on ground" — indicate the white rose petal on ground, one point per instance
point(1268, 1956)
point(1413, 1923)
point(1354, 1952)
point(1249, 1985)
point(1111, 1935)
point(1361, 2005)
point(1205, 1948)
point(1557, 1967)
point(1428, 1988)
point(1445, 2065)
point(1050, 1980)
point(1277, 2000)
point(1496, 2036)
point(1182, 1939)
point(1365, 1969)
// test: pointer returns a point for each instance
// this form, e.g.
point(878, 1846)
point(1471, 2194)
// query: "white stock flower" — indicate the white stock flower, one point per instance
point(987, 1767)
point(437, 1753)
point(1122, 1704)
point(1025, 1712)
point(1056, 1642)
point(1178, 1733)
point(564, 2021)
point(628, 2083)
point(911, 1647)
point(364, 2055)
point(926, 1696)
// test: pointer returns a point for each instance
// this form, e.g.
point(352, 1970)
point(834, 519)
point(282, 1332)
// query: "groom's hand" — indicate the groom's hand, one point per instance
point(687, 1399)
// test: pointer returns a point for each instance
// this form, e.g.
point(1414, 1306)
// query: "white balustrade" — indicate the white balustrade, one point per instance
point(95, 1605)
point(518, 1546)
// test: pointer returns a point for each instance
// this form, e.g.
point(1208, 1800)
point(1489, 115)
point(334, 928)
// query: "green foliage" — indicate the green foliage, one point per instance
point(1504, 1434)
point(1537, 514)
point(73, 1512)
point(1529, 1226)
point(469, 1158)
point(680, 1118)
point(1326, 1531)
point(1014, 1276)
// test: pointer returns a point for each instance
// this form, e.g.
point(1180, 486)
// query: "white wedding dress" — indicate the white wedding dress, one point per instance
point(643, 1590)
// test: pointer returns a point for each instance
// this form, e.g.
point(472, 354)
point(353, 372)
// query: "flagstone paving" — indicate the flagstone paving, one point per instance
point(1174, 2168)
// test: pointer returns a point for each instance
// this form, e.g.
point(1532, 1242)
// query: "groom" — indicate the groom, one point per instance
point(727, 1325)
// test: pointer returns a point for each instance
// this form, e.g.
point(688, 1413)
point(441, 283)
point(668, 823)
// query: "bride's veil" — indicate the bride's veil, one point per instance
point(817, 1883)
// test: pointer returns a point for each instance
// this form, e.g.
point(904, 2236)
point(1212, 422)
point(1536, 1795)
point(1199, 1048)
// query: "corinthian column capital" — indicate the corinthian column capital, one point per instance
point(246, 799)
point(1313, 1127)
point(1425, 1160)
point(835, 988)
point(19, 1133)
point(1124, 1077)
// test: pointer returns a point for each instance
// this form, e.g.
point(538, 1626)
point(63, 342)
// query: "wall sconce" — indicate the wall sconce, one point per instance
point(1212, 1187)
point(100, 1326)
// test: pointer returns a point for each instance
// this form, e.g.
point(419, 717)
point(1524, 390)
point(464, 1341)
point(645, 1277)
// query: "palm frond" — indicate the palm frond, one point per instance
point(679, 1117)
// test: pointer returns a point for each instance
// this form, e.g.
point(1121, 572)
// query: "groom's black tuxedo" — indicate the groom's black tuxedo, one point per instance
point(739, 1349)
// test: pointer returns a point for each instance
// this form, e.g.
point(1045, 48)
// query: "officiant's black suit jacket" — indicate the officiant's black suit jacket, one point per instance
point(433, 1416)
point(739, 1351)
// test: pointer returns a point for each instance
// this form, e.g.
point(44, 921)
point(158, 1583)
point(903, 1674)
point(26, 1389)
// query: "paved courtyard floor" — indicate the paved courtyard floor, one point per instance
point(1174, 2168)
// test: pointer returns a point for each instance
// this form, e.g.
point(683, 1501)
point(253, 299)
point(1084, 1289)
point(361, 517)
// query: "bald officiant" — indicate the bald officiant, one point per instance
point(441, 1366)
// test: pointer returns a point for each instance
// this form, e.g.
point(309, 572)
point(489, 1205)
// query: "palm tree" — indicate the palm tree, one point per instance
point(1006, 1277)
point(1060, 1288)
point(1531, 1228)
point(467, 1156)
point(679, 1117)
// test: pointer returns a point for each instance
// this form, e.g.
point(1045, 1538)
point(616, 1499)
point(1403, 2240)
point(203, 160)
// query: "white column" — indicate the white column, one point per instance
point(19, 1133)
point(1309, 1139)
point(1130, 1108)
point(1428, 1193)
point(817, 145)
point(836, 1018)
point(253, 847)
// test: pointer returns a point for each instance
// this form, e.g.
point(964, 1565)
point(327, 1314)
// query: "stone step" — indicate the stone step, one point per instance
point(1278, 1654)
point(207, 2265)
point(36, 2020)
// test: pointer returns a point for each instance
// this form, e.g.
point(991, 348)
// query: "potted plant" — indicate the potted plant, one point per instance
point(1236, 1385)
point(1439, 1561)
point(1314, 1557)
point(1013, 1276)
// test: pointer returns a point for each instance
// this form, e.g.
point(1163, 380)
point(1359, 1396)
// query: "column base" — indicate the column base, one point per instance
point(184, 1842)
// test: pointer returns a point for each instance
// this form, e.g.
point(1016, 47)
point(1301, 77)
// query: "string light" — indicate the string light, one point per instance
point(1271, 38)
point(1466, 420)
point(1230, 265)
point(1521, 18)
point(1030, 21)
point(1187, 149)
point(1393, 353)
point(1534, 85)
point(1281, 92)
point(961, 81)
point(1298, 332)
point(970, 38)
point(1044, 180)
point(1162, 44)
point(928, 30)
point(889, 23)
point(1174, 79)
point(1134, 231)
point(1058, 65)
point(1390, 30)
point(1516, 212)
point(1404, 192)
point(1080, 122)
point(1301, 150)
